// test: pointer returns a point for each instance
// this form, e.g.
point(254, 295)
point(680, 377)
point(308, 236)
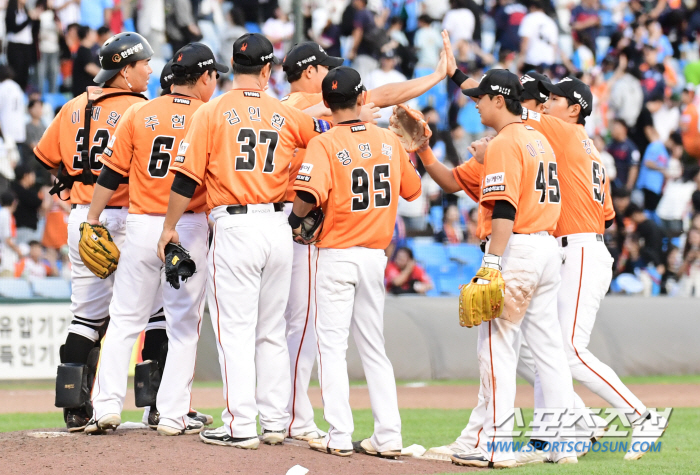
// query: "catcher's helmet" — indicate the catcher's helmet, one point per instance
point(120, 50)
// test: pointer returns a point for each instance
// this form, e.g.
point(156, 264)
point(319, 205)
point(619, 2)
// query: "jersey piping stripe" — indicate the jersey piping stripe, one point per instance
point(218, 326)
point(413, 195)
point(493, 391)
point(318, 343)
point(40, 155)
point(478, 438)
point(114, 167)
point(301, 343)
point(191, 174)
point(573, 332)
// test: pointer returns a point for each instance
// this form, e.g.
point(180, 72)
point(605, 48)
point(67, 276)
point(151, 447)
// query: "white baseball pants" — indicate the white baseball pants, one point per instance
point(585, 277)
point(138, 280)
point(250, 268)
point(301, 338)
point(531, 265)
point(349, 291)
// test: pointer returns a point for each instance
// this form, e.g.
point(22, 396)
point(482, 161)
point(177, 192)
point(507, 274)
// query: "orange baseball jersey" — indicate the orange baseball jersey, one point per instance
point(586, 202)
point(357, 171)
point(519, 167)
point(690, 131)
point(64, 139)
point(144, 147)
point(301, 101)
point(240, 146)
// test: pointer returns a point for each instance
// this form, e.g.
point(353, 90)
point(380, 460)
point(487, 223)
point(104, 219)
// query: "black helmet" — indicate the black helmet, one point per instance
point(166, 77)
point(120, 50)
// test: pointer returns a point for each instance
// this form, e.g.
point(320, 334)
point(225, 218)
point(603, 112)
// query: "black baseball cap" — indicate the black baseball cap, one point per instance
point(531, 90)
point(497, 82)
point(166, 77)
point(253, 49)
point(195, 59)
point(308, 54)
point(341, 84)
point(573, 89)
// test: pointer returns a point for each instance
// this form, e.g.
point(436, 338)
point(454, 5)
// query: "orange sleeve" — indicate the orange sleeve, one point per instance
point(120, 148)
point(608, 210)
point(315, 173)
point(547, 125)
point(48, 150)
point(468, 176)
point(307, 127)
point(503, 170)
point(410, 178)
point(193, 153)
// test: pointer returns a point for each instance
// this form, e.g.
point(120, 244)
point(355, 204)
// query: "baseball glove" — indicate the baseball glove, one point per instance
point(97, 250)
point(410, 127)
point(178, 264)
point(482, 299)
point(310, 226)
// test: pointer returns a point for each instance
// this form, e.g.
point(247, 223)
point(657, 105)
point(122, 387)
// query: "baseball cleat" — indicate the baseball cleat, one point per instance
point(76, 421)
point(443, 452)
point(320, 445)
point(531, 456)
point(220, 437)
point(109, 421)
point(474, 458)
point(205, 419)
point(365, 447)
point(193, 427)
point(273, 437)
point(307, 436)
point(645, 433)
point(153, 418)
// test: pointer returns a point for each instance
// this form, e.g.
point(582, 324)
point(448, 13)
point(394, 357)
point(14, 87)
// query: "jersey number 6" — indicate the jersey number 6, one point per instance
point(361, 187)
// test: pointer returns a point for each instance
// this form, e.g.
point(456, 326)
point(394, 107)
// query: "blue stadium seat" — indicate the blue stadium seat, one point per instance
point(466, 254)
point(51, 287)
point(449, 284)
point(435, 218)
point(252, 27)
point(15, 288)
point(55, 100)
point(430, 254)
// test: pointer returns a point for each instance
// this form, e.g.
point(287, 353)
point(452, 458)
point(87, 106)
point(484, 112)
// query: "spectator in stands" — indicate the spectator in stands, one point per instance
point(630, 258)
point(55, 230)
point(366, 39)
point(691, 264)
point(9, 250)
point(27, 213)
point(539, 38)
point(85, 66)
point(49, 28)
point(670, 280)
point(68, 47)
point(21, 24)
point(651, 175)
point(428, 44)
point(68, 12)
point(650, 234)
point(35, 127)
point(690, 127)
point(96, 13)
point(459, 22)
point(404, 276)
point(585, 22)
point(9, 158)
point(676, 199)
point(13, 111)
point(279, 30)
point(508, 16)
point(150, 22)
point(180, 24)
point(452, 232)
point(386, 74)
point(233, 29)
point(626, 156)
point(35, 265)
point(103, 34)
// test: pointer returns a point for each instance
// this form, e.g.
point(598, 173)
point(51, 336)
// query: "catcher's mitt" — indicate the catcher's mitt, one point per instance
point(410, 127)
point(97, 250)
point(178, 264)
point(481, 300)
point(310, 226)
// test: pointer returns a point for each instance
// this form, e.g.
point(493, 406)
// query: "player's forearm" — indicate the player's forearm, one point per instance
point(318, 110)
point(501, 230)
point(399, 92)
point(177, 205)
point(301, 208)
point(100, 198)
point(439, 172)
point(632, 178)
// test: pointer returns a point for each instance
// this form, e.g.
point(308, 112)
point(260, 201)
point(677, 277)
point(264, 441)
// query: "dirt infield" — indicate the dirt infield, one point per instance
point(156, 455)
point(427, 397)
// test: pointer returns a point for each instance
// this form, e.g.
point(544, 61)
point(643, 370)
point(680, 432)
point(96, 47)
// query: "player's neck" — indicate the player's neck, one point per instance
point(187, 91)
point(506, 119)
point(303, 86)
point(246, 81)
point(344, 115)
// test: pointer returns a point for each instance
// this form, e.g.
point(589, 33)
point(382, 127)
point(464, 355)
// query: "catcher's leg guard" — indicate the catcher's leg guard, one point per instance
point(147, 375)
point(74, 383)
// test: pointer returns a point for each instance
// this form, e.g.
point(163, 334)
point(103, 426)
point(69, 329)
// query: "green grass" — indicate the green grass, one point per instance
point(680, 451)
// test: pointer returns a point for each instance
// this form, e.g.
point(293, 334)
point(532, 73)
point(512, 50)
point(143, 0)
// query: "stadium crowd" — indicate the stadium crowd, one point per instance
point(640, 57)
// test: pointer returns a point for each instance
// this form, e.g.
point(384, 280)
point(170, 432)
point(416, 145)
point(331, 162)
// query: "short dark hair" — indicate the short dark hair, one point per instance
point(190, 79)
point(34, 243)
point(348, 104)
point(425, 18)
point(407, 250)
point(295, 76)
point(7, 198)
point(618, 120)
point(103, 30)
point(83, 31)
point(513, 106)
point(21, 171)
point(33, 102)
point(581, 118)
point(240, 69)
point(6, 72)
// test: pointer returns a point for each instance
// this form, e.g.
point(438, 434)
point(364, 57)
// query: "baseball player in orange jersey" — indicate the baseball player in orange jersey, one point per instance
point(519, 205)
point(71, 157)
point(306, 65)
point(587, 270)
point(240, 145)
point(355, 173)
point(143, 148)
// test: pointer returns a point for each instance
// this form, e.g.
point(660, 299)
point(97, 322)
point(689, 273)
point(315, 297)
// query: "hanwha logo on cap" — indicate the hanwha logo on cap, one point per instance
point(179, 58)
point(244, 47)
point(116, 58)
point(335, 85)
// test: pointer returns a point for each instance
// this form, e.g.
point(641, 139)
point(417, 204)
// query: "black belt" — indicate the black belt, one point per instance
point(565, 241)
point(106, 207)
point(243, 209)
